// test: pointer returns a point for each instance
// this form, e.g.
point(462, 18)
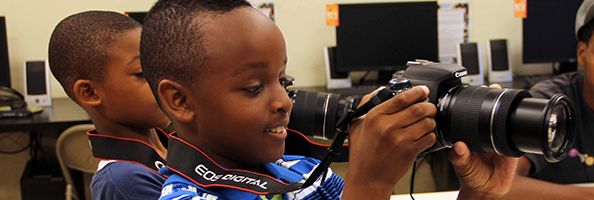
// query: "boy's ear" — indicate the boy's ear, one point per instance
point(174, 100)
point(85, 92)
point(581, 53)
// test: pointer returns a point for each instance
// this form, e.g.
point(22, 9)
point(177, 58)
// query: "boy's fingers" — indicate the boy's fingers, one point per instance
point(420, 128)
point(403, 100)
point(495, 85)
point(426, 141)
point(413, 114)
point(459, 155)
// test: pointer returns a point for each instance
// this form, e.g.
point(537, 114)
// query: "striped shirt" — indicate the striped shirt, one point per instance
point(290, 169)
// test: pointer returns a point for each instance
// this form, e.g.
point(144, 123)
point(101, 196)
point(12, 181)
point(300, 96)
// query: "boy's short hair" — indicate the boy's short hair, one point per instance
point(80, 44)
point(171, 45)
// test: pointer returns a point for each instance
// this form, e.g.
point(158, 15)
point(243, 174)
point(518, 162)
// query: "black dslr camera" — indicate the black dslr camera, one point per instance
point(506, 122)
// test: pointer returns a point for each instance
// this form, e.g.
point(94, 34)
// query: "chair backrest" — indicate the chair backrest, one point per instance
point(74, 152)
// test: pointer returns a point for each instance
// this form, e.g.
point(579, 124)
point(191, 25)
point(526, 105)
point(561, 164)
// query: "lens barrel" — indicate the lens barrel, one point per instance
point(316, 114)
point(505, 122)
point(543, 126)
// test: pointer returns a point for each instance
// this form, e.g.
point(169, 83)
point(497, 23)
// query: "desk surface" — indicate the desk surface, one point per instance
point(428, 196)
point(450, 194)
point(62, 114)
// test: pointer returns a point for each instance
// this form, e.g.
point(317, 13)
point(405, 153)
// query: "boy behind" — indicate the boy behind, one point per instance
point(218, 70)
point(95, 57)
point(540, 180)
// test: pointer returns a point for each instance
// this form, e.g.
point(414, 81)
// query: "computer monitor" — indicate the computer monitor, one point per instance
point(548, 31)
point(138, 16)
point(384, 36)
point(4, 64)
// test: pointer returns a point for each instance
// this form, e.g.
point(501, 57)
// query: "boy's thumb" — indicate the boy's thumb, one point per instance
point(459, 155)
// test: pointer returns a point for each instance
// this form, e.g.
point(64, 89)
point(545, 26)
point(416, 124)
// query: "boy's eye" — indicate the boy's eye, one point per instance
point(139, 74)
point(255, 89)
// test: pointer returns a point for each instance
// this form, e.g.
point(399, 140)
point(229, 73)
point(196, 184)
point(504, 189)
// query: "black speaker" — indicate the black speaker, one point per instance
point(470, 57)
point(37, 85)
point(499, 61)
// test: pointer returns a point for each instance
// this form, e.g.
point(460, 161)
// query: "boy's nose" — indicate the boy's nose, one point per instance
point(281, 101)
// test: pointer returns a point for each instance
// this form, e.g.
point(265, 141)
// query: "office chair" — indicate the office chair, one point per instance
point(74, 152)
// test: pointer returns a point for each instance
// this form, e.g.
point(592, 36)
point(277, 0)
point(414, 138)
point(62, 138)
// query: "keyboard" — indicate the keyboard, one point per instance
point(359, 90)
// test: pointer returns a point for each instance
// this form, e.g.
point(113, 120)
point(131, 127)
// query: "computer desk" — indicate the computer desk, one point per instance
point(63, 114)
point(451, 194)
point(428, 196)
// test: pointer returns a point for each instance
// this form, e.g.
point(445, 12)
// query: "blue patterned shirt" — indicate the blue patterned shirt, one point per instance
point(289, 169)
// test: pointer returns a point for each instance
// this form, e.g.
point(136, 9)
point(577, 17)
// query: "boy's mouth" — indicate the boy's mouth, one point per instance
point(279, 129)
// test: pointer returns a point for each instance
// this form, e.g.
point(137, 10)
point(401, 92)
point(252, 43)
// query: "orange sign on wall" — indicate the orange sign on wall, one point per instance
point(520, 9)
point(332, 15)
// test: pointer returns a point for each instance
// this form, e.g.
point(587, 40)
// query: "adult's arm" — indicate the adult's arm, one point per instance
point(527, 188)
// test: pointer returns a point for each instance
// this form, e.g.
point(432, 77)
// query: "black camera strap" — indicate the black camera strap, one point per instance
point(107, 147)
point(193, 164)
point(342, 132)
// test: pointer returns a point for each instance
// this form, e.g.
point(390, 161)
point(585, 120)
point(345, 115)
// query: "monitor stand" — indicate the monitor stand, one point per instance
point(383, 77)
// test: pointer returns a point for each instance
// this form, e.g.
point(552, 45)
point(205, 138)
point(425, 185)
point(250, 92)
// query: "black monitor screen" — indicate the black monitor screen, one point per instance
point(470, 58)
point(499, 59)
point(4, 64)
point(138, 16)
point(385, 36)
point(549, 31)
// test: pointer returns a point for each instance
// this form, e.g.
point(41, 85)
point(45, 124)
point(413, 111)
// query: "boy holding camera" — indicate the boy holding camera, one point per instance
point(218, 70)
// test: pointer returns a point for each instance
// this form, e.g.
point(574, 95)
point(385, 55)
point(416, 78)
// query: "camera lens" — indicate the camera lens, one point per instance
point(544, 126)
point(556, 131)
point(316, 114)
point(505, 122)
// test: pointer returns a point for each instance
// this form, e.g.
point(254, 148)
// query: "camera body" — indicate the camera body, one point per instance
point(500, 121)
point(438, 77)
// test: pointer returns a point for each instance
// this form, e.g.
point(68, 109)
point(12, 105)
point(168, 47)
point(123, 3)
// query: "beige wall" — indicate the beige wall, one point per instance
point(30, 23)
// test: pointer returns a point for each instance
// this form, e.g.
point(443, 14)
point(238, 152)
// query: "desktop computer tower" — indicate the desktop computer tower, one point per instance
point(42, 182)
point(37, 83)
point(335, 79)
point(499, 61)
point(469, 56)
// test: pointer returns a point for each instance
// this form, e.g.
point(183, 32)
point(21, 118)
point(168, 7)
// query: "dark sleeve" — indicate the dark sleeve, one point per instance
point(538, 163)
point(560, 84)
point(123, 180)
point(543, 89)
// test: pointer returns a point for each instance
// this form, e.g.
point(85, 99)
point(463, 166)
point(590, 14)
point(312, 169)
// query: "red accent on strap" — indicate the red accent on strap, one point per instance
point(314, 143)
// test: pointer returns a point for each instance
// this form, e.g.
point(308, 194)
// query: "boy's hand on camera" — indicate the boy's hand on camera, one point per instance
point(482, 175)
point(385, 142)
